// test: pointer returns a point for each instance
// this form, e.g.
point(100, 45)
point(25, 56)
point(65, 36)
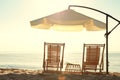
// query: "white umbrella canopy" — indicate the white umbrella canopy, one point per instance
point(68, 20)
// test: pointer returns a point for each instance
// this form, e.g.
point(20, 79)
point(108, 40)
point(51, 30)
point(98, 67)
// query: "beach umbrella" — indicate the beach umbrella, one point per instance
point(68, 20)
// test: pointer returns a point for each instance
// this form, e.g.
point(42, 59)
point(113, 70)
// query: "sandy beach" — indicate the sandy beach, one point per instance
point(20, 74)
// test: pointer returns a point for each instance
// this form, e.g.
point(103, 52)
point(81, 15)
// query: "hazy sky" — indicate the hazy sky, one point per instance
point(17, 35)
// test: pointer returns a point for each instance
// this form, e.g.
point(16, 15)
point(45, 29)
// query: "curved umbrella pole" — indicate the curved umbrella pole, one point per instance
point(107, 32)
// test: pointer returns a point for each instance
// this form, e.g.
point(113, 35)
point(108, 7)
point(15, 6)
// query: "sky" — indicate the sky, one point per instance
point(17, 35)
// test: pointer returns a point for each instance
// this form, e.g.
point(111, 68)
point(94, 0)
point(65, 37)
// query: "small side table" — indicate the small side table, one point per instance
point(73, 68)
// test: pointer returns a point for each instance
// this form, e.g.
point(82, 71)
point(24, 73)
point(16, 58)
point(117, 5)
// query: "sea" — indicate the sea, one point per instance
point(35, 61)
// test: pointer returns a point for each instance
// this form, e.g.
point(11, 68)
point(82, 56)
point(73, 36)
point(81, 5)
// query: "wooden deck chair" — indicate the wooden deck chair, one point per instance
point(53, 57)
point(93, 57)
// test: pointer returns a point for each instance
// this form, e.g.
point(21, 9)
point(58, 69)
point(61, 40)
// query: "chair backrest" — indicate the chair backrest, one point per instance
point(53, 53)
point(93, 53)
point(53, 56)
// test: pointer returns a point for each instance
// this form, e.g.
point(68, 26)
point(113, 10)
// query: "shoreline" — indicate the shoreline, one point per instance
point(24, 74)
